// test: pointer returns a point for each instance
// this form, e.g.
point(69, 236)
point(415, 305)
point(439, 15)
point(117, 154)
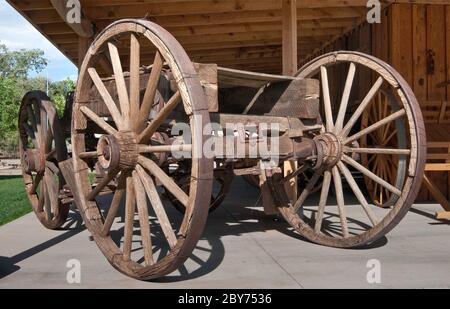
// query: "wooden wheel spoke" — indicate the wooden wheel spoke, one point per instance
point(48, 141)
point(351, 123)
point(157, 205)
point(327, 100)
point(146, 236)
point(390, 137)
point(36, 182)
point(383, 151)
point(298, 172)
point(135, 62)
point(52, 191)
point(115, 205)
point(41, 201)
point(386, 131)
point(371, 175)
point(147, 134)
point(371, 160)
point(98, 121)
point(44, 127)
point(107, 99)
point(376, 126)
point(345, 98)
point(307, 191)
point(359, 195)
point(130, 209)
point(102, 185)
point(340, 201)
point(150, 92)
point(120, 83)
point(323, 201)
point(168, 183)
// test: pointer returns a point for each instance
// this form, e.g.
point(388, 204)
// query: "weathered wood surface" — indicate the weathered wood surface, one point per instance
point(122, 155)
point(298, 98)
point(338, 156)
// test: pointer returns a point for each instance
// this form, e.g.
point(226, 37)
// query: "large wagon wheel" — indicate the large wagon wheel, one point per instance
point(392, 168)
point(41, 147)
point(330, 225)
point(125, 151)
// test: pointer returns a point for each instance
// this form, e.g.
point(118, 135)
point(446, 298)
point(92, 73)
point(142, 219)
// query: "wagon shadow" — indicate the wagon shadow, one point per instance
point(73, 227)
point(237, 217)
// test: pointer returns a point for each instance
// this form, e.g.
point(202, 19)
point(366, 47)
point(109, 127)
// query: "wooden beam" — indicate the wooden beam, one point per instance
point(289, 33)
point(290, 67)
point(83, 47)
point(440, 198)
point(84, 29)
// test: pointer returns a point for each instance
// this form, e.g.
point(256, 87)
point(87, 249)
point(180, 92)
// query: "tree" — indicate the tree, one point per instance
point(18, 64)
point(15, 67)
point(58, 92)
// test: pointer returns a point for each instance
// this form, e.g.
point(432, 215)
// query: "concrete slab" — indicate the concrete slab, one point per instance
point(241, 248)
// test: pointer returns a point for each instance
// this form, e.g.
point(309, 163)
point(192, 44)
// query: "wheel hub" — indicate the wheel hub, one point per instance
point(119, 151)
point(32, 161)
point(330, 150)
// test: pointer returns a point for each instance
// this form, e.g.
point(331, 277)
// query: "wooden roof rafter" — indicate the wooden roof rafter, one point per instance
point(231, 25)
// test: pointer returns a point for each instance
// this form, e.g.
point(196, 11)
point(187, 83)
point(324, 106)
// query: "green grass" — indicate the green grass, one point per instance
point(13, 199)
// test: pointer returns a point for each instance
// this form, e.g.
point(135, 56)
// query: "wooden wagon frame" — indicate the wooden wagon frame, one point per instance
point(136, 83)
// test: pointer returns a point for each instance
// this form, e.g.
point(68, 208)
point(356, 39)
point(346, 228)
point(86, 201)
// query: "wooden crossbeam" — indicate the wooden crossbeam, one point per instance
point(84, 29)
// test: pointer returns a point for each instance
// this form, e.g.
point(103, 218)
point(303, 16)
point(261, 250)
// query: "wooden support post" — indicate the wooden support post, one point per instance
point(289, 19)
point(83, 46)
point(290, 67)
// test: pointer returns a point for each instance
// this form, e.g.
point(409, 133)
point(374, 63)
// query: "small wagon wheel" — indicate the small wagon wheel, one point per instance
point(221, 187)
point(391, 167)
point(343, 225)
point(125, 151)
point(41, 147)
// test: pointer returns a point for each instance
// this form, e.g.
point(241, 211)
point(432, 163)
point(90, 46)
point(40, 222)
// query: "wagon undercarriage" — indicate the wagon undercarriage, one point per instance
point(163, 133)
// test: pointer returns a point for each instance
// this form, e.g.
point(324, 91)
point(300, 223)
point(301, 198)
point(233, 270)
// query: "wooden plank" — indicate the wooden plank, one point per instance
point(401, 52)
point(447, 27)
point(419, 23)
point(209, 81)
point(386, 36)
point(443, 215)
point(289, 33)
point(239, 78)
point(436, 44)
point(437, 167)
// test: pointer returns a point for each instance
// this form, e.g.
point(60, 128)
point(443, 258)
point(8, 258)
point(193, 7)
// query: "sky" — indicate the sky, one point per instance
point(16, 33)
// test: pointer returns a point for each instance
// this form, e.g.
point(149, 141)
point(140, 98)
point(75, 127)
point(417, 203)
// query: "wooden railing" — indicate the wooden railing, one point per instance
point(438, 160)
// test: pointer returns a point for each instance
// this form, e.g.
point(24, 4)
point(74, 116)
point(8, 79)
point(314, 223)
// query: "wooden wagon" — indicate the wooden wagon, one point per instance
point(120, 156)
